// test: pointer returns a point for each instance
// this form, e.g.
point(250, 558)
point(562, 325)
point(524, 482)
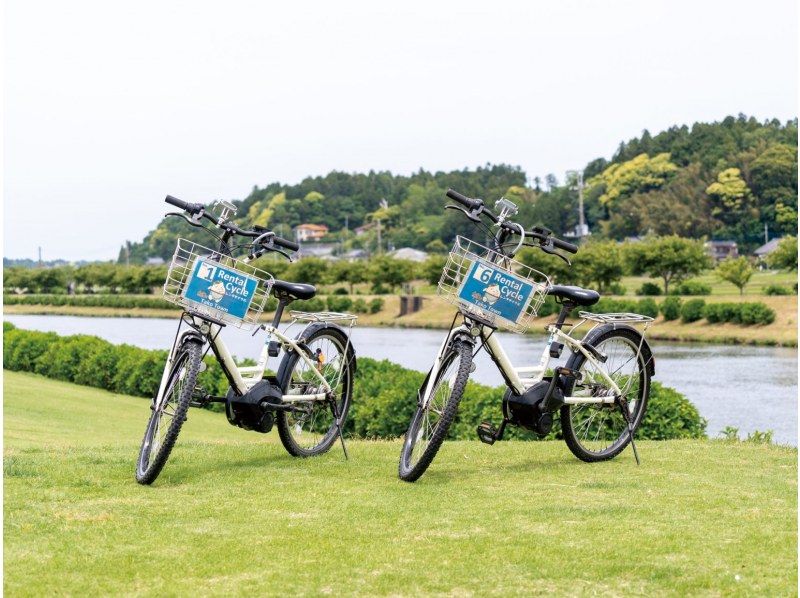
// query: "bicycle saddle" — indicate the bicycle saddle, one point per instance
point(295, 290)
point(577, 295)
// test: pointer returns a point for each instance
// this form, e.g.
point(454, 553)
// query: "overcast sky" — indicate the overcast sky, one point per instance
point(109, 106)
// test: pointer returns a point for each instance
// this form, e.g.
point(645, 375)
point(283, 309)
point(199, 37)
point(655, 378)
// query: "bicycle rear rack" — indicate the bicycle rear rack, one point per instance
point(616, 318)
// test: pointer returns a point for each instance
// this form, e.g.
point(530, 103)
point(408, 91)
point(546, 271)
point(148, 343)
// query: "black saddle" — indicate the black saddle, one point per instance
point(293, 290)
point(576, 295)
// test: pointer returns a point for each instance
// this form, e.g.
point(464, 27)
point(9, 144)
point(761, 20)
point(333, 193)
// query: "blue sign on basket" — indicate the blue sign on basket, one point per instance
point(220, 288)
point(496, 291)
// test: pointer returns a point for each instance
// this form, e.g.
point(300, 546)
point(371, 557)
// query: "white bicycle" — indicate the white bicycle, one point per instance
point(309, 396)
point(601, 393)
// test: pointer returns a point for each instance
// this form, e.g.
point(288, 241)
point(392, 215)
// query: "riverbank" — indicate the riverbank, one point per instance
point(75, 517)
point(437, 314)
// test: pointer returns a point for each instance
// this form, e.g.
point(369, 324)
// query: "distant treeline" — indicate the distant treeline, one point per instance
point(722, 180)
point(599, 264)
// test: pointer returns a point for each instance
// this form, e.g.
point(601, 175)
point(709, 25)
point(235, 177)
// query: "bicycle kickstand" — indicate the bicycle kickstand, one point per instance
point(337, 419)
point(623, 407)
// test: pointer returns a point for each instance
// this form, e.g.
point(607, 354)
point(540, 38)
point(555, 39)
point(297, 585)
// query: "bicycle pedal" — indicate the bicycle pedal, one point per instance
point(487, 433)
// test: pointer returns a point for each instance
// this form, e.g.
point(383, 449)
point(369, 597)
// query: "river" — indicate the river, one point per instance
point(750, 388)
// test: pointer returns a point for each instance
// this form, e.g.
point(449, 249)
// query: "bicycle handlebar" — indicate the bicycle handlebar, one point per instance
point(196, 208)
point(475, 204)
point(467, 202)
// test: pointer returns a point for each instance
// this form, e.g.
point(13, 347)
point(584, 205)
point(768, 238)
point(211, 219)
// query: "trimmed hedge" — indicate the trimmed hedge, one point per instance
point(776, 289)
point(691, 287)
point(649, 289)
point(339, 303)
point(384, 393)
point(670, 308)
point(121, 301)
point(745, 314)
point(692, 310)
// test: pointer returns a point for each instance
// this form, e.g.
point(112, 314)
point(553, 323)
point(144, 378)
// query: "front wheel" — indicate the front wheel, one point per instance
point(433, 417)
point(168, 413)
point(598, 431)
point(311, 429)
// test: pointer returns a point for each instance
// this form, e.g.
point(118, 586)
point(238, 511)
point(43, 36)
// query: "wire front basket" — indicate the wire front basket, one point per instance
point(491, 286)
point(207, 282)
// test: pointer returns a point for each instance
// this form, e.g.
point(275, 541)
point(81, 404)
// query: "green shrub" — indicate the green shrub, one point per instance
point(340, 291)
point(138, 371)
point(776, 289)
point(62, 358)
point(338, 303)
point(671, 308)
point(692, 288)
point(617, 288)
point(313, 304)
point(23, 348)
point(376, 305)
point(650, 289)
point(385, 400)
point(8, 326)
point(756, 313)
point(670, 415)
point(98, 366)
point(548, 307)
point(360, 306)
point(385, 394)
point(119, 301)
point(739, 313)
point(647, 307)
point(692, 310)
point(717, 313)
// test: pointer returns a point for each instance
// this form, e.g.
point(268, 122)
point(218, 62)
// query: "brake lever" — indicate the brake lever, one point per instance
point(183, 215)
point(269, 246)
point(548, 248)
point(474, 215)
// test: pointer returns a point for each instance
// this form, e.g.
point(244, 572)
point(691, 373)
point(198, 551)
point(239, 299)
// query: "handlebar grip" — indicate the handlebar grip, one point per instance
point(467, 202)
point(565, 245)
point(183, 205)
point(286, 244)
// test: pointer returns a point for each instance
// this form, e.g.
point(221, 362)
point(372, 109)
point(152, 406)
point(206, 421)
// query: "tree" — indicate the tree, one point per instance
point(729, 194)
point(432, 268)
point(351, 273)
point(785, 255)
point(387, 270)
point(671, 258)
point(311, 270)
point(736, 271)
point(642, 173)
point(599, 263)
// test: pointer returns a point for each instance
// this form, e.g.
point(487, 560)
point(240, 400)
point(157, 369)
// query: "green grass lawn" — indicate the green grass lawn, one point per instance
point(232, 513)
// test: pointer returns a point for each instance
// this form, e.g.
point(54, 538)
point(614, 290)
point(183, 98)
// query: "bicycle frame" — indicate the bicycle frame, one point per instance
point(244, 378)
point(519, 379)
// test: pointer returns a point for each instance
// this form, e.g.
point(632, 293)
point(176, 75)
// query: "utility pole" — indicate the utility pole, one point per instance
point(378, 220)
point(582, 230)
point(127, 253)
point(581, 217)
point(41, 265)
point(766, 234)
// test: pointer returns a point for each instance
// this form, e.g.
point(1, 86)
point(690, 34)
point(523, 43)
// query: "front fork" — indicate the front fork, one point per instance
point(464, 332)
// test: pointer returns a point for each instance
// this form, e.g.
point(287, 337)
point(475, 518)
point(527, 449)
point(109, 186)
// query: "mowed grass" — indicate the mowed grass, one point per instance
point(233, 514)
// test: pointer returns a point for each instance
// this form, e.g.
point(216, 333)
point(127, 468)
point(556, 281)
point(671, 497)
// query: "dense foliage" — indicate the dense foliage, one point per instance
point(722, 180)
point(384, 396)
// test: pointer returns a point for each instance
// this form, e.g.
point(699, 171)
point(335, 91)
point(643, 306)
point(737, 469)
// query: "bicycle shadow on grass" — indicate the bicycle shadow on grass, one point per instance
point(188, 471)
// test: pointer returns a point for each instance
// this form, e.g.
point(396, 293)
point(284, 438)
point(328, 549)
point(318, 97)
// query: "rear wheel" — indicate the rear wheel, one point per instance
point(168, 413)
point(432, 420)
point(598, 431)
point(311, 429)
